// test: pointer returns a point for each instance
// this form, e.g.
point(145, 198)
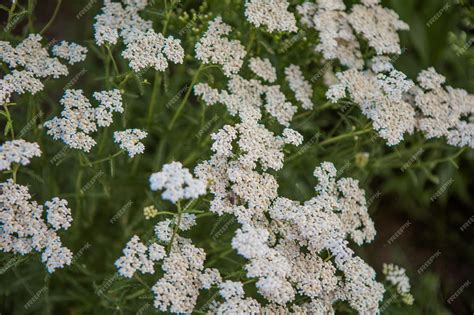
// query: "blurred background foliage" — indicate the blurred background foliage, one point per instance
point(109, 211)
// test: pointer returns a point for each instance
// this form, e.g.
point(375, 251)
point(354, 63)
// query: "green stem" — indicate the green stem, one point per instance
point(122, 83)
point(176, 228)
point(324, 106)
point(31, 7)
point(14, 172)
point(141, 281)
point(10, 13)
point(250, 281)
point(185, 99)
point(9, 121)
point(157, 79)
point(113, 60)
point(449, 158)
point(51, 20)
point(154, 98)
point(343, 136)
point(332, 140)
point(303, 114)
point(105, 159)
point(252, 38)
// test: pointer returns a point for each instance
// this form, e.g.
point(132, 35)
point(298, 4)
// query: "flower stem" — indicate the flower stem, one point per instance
point(176, 228)
point(107, 158)
point(9, 125)
point(185, 99)
point(343, 136)
point(113, 60)
point(10, 13)
point(51, 20)
point(154, 98)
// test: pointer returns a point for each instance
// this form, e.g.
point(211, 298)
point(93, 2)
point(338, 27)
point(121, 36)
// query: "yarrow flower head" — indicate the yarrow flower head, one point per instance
point(397, 277)
point(183, 267)
point(150, 49)
point(58, 214)
point(32, 57)
point(23, 229)
point(110, 102)
point(263, 68)
point(273, 14)
point(378, 25)
point(337, 28)
point(117, 21)
point(298, 84)
point(79, 118)
point(177, 183)
point(215, 48)
point(139, 257)
point(445, 111)
point(129, 140)
point(34, 63)
point(17, 151)
point(18, 82)
point(381, 99)
point(244, 98)
point(337, 40)
point(71, 52)
point(184, 276)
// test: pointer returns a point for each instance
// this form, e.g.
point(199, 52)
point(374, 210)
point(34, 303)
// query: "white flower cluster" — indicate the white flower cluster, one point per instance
point(277, 105)
point(282, 239)
point(337, 40)
point(17, 151)
point(215, 48)
point(273, 14)
point(378, 26)
point(263, 68)
point(138, 257)
point(58, 214)
point(144, 47)
point(164, 229)
point(232, 177)
point(244, 98)
point(129, 140)
point(381, 99)
point(23, 229)
point(18, 82)
point(235, 301)
point(446, 111)
point(34, 62)
point(298, 84)
point(71, 52)
point(281, 265)
point(32, 57)
point(322, 223)
point(396, 106)
point(337, 28)
point(177, 183)
point(110, 102)
point(396, 276)
point(184, 273)
point(117, 20)
point(79, 118)
point(151, 49)
point(184, 276)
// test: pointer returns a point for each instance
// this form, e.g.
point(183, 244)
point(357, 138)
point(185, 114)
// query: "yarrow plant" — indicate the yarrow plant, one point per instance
point(248, 186)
